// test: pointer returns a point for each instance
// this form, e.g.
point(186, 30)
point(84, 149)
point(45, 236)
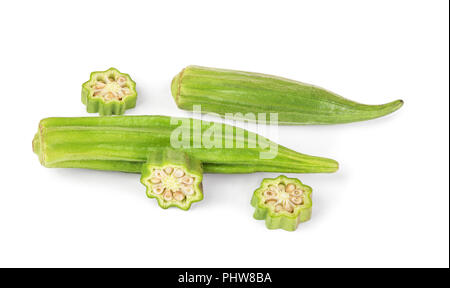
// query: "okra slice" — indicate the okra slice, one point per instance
point(173, 178)
point(109, 92)
point(282, 202)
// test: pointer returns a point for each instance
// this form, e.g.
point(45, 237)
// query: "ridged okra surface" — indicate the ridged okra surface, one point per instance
point(122, 143)
point(224, 91)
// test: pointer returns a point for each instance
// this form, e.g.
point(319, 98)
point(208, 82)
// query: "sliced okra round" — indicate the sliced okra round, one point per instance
point(282, 202)
point(109, 92)
point(173, 178)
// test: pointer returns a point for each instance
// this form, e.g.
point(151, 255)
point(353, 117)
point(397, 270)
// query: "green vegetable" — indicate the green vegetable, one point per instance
point(226, 91)
point(282, 202)
point(173, 178)
point(122, 143)
point(109, 92)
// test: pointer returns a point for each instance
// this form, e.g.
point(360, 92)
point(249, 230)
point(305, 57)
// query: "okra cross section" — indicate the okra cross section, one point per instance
point(282, 202)
point(173, 178)
point(109, 92)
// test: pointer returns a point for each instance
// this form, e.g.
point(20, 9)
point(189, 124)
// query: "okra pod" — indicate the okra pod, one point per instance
point(122, 143)
point(223, 91)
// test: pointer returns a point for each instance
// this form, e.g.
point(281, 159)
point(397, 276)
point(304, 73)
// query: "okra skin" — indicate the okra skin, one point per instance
point(224, 91)
point(122, 143)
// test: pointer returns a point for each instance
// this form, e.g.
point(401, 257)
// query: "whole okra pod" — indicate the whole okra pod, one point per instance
point(227, 91)
point(122, 143)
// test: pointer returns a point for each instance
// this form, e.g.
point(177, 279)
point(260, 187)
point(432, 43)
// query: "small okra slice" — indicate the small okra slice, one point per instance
point(109, 92)
point(282, 202)
point(173, 178)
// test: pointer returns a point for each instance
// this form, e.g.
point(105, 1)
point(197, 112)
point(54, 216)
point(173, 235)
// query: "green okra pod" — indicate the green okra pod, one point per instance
point(122, 143)
point(227, 91)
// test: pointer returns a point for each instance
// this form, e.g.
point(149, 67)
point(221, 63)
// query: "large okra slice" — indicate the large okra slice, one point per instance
point(173, 178)
point(109, 92)
point(282, 202)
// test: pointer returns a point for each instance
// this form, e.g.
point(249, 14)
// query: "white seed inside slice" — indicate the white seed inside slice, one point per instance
point(271, 201)
point(155, 180)
point(168, 170)
point(179, 196)
point(99, 85)
point(272, 188)
point(297, 193)
point(290, 187)
point(121, 80)
point(278, 208)
point(178, 173)
point(281, 187)
point(158, 189)
point(109, 96)
point(159, 174)
point(288, 207)
point(167, 195)
point(188, 190)
point(270, 194)
point(187, 180)
point(296, 200)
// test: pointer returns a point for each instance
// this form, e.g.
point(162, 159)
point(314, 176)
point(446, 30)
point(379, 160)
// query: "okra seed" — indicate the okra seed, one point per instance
point(297, 193)
point(297, 200)
point(272, 188)
point(121, 79)
point(270, 194)
point(281, 187)
point(278, 208)
point(126, 91)
point(187, 180)
point(270, 201)
point(178, 173)
point(167, 195)
point(188, 190)
point(158, 189)
point(287, 206)
point(155, 180)
point(99, 85)
point(290, 187)
point(159, 174)
point(109, 96)
point(168, 170)
point(179, 196)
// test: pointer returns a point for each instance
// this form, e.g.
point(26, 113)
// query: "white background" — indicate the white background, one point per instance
point(387, 206)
